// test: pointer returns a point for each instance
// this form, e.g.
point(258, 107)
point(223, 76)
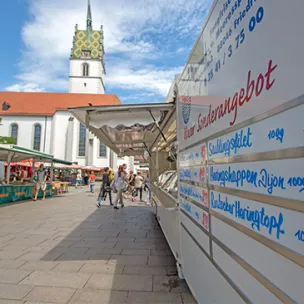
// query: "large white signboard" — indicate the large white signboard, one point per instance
point(281, 131)
point(280, 225)
point(240, 95)
point(247, 61)
point(284, 178)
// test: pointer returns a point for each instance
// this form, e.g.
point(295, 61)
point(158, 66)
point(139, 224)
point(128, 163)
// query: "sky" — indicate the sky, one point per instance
point(147, 42)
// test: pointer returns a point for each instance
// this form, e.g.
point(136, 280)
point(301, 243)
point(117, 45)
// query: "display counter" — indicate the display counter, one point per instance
point(15, 193)
point(165, 203)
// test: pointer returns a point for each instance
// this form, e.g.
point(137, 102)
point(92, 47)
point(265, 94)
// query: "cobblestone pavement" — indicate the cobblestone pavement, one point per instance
point(66, 250)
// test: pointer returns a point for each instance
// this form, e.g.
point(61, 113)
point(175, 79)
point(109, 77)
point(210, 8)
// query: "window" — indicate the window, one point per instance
point(14, 131)
point(102, 149)
point(82, 140)
point(37, 137)
point(85, 69)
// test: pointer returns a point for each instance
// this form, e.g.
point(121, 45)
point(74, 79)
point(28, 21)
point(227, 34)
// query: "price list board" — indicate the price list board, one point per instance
point(241, 156)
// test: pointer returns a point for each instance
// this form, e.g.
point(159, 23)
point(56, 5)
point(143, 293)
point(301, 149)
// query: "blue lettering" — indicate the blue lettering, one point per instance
point(189, 191)
point(237, 142)
point(257, 218)
point(270, 181)
point(238, 177)
point(277, 134)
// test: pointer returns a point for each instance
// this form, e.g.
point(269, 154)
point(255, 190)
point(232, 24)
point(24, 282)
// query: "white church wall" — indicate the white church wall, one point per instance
point(86, 85)
point(26, 130)
point(59, 133)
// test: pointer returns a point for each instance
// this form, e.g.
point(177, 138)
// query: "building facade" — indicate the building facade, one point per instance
point(42, 122)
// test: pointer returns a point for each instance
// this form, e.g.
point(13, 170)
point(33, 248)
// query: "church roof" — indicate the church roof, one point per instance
point(46, 104)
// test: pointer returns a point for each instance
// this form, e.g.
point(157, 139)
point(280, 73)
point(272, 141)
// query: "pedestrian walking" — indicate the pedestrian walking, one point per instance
point(92, 179)
point(41, 182)
point(148, 187)
point(120, 181)
point(86, 178)
point(139, 182)
point(78, 179)
point(105, 188)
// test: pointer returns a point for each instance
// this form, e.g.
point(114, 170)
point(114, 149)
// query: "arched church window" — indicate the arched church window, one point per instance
point(82, 140)
point(14, 131)
point(102, 149)
point(37, 137)
point(85, 69)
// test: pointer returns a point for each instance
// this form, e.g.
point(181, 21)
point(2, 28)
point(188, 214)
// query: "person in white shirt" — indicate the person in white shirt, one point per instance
point(120, 182)
point(139, 182)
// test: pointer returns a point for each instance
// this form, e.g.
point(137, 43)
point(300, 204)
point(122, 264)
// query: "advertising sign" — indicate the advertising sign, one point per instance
point(238, 68)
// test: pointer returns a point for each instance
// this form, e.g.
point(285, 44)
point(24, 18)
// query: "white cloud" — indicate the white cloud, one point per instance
point(48, 39)
point(25, 87)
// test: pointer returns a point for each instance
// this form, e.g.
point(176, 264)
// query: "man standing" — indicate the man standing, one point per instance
point(41, 182)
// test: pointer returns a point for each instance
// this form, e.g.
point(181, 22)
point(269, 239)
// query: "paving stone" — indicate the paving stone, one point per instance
point(68, 267)
point(135, 245)
point(12, 276)
point(32, 256)
point(14, 292)
point(102, 268)
point(92, 244)
point(120, 282)
point(188, 299)
point(161, 261)
point(11, 264)
point(162, 246)
point(154, 298)
point(135, 252)
point(39, 265)
point(50, 294)
point(169, 284)
point(56, 279)
point(161, 252)
point(102, 251)
point(99, 297)
point(118, 239)
point(10, 302)
point(10, 254)
point(128, 260)
point(144, 270)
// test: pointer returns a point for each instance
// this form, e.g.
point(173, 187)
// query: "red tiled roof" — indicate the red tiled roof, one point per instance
point(46, 104)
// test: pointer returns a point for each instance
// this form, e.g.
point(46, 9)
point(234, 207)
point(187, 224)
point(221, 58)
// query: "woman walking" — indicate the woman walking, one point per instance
point(139, 181)
point(120, 184)
point(105, 188)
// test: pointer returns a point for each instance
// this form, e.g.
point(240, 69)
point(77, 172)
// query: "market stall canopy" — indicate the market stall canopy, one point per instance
point(128, 130)
point(17, 153)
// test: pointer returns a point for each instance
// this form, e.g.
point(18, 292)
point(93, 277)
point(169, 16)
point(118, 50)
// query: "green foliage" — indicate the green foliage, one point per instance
point(7, 140)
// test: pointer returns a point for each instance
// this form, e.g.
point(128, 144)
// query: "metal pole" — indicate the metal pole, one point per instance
point(33, 167)
point(8, 170)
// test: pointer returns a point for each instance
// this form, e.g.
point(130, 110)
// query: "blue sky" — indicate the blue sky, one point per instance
point(147, 42)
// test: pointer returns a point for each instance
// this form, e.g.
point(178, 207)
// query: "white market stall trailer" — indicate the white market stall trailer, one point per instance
point(237, 225)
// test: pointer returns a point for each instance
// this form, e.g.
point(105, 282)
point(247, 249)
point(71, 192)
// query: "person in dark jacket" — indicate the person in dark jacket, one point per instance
point(105, 188)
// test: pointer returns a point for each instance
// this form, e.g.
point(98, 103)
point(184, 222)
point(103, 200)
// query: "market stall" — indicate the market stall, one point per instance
point(147, 132)
point(236, 228)
point(12, 190)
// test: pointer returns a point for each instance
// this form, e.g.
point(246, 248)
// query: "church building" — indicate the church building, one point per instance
point(42, 122)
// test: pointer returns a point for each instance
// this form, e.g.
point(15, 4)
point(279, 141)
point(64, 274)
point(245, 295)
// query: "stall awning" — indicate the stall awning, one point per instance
point(128, 130)
point(19, 153)
point(62, 162)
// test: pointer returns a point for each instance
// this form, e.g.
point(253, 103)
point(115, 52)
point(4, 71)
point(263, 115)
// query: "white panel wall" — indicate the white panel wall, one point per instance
point(59, 133)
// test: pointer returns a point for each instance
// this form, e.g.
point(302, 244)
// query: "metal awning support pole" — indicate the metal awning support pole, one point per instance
point(8, 170)
point(52, 170)
point(158, 127)
point(33, 168)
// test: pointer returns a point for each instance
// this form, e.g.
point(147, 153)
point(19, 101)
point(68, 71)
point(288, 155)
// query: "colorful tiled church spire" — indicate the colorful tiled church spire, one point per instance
point(88, 41)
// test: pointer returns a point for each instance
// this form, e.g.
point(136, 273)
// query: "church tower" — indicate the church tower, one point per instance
point(87, 67)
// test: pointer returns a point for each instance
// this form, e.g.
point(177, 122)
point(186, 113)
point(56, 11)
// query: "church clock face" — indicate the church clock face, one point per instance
point(85, 54)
